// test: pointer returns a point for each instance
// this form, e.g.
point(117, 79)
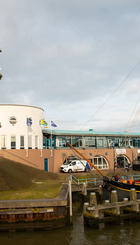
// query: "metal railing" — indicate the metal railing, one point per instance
point(94, 181)
point(133, 177)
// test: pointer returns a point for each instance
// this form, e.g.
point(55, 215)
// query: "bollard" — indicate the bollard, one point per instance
point(107, 202)
point(100, 190)
point(84, 190)
point(86, 205)
point(125, 199)
point(93, 200)
point(114, 196)
point(133, 194)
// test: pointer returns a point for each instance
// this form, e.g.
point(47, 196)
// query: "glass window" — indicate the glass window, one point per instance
point(3, 142)
point(29, 141)
point(113, 142)
point(36, 142)
point(100, 162)
point(101, 142)
point(73, 163)
point(44, 141)
point(123, 142)
point(76, 141)
point(122, 161)
point(90, 141)
point(21, 142)
point(136, 142)
point(13, 142)
point(63, 141)
point(138, 158)
point(13, 120)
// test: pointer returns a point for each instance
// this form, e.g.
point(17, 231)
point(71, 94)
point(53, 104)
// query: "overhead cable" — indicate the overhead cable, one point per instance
point(100, 107)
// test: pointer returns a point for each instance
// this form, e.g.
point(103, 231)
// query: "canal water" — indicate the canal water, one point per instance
point(124, 234)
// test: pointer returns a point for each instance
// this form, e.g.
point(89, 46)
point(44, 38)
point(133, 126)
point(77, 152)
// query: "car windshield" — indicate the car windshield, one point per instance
point(65, 163)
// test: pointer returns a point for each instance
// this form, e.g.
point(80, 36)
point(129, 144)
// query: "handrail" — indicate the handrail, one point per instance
point(127, 177)
point(88, 180)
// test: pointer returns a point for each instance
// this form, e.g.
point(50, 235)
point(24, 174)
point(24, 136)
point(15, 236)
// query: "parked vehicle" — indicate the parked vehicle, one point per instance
point(74, 166)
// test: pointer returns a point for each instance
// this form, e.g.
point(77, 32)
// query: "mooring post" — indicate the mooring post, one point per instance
point(133, 195)
point(114, 196)
point(137, 207)
point(70, 200)
point(125, 199)
point(84, 190)
point(93, 200)
point(114, 199)
point(86, 205)
point(107, 202)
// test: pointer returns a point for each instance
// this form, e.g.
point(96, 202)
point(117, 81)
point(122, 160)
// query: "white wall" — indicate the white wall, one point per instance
point(21, 113)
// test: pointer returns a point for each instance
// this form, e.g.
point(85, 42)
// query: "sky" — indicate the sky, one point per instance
point(79, 60)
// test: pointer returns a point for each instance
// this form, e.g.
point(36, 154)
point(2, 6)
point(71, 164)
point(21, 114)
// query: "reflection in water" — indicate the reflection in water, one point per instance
point(76, 234)
point(124, 234)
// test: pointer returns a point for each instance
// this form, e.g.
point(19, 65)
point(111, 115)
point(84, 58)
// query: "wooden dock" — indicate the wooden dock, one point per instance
point(111, 211)
point(89, 187)
point(84, 185)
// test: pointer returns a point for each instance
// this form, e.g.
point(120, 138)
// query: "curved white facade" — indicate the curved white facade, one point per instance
point(14, 131)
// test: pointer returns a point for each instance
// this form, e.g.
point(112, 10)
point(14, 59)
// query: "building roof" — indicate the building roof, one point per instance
point(22, 106)
point(89, 133)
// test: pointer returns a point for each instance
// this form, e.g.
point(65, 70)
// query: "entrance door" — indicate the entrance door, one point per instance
point(122, 161)
point(46, 164)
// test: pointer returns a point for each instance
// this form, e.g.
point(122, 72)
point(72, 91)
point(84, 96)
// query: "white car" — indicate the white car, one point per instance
point(73, 166)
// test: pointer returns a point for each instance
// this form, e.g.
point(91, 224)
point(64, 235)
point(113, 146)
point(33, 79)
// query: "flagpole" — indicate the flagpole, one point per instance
point(27, 138)
point(51, 139)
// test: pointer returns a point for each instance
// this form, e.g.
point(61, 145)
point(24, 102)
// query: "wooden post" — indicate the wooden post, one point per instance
point(117, 210)
point(114, 196)
point(125, 199)
point(137, 209)
point(86, 204)
point(133, 195)
point(70, 200)
point(84, 190)
point(93, 200)
point(107, 202)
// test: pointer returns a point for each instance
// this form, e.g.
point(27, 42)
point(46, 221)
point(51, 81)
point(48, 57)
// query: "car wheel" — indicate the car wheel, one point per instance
point(70, 171)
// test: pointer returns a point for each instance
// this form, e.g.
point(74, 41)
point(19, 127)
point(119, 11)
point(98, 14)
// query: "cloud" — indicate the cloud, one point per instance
point(69, 57)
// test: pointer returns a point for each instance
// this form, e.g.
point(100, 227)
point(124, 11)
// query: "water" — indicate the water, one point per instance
point(124, 234)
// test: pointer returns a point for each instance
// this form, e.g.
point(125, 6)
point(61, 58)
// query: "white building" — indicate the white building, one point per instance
point(24, 139)
point(20, 127)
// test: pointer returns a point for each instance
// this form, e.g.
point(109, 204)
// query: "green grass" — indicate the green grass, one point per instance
point(47, 189)
point(18, 181)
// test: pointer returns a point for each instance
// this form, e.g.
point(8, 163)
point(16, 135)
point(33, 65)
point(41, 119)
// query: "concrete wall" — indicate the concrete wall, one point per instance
point(108, 154)
point(34, 158)
point(56, 157)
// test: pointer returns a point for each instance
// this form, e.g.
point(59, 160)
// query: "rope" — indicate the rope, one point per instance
point(131, 116)
point(100, 107)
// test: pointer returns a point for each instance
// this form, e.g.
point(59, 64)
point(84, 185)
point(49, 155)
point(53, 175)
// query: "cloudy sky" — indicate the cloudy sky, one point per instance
point(79, 60)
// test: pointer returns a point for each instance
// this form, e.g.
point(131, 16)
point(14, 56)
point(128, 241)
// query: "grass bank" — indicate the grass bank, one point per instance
point(18, 181)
